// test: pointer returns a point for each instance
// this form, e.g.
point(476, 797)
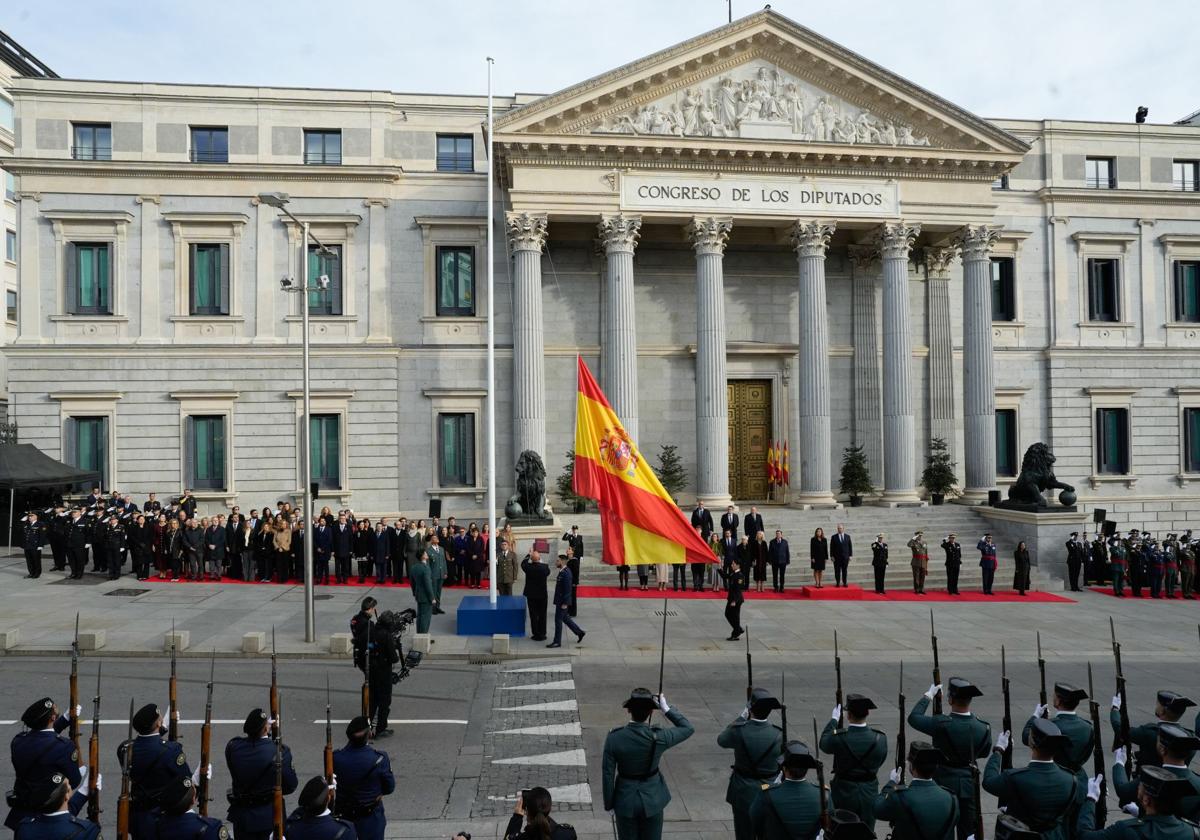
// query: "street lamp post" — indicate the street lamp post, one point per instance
point(279, 200)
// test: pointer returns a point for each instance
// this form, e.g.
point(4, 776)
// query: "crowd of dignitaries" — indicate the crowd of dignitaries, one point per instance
point(1138, 562)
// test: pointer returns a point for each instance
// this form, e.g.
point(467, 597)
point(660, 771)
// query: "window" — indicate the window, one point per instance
point(1004, 298)
point(93, 141)
point(323, 147)
point(456, 449)
point(1001, 183)
point(87, 446)
point(10, 186)
point(10, 305)
point(1100, 173)
point(6, 114)
point(325, 447)
point(455, 280)
point(89, 278)
point(10, 245)
point(1187, 291)
point(210, 145)
point(455, 153)
point(1185, 175)
point(209, 286)
point(1103, 290)
point(205, 452)
point(1112, 441)
point(1006, 441)
point(1191, 440)
point(327, 301)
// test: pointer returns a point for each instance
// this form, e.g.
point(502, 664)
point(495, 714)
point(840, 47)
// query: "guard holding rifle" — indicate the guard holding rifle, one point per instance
point(858, 752)
point(251, 761)
point(757, 744)
point(962, 739)
point(791, 807)
point(179, 817)
point(922, 809)
point(156, 763)
point(314, 819)
point(1169, 709)
point(1079, 739)
point(55, 819)
point(1041, 795)
point(37, 755)
point(1157, 796)
point(1174, 745)
point(366, 775)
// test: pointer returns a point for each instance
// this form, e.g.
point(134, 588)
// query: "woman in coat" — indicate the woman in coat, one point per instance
point(1021, 568)
point(476, 556)
point(364, 548)
point(281, 545)
point(531, 818)
point(818, 554)
point(758, 550)
point(141, 546)
point(173, 542)
point(162, 558)
point(244, 543)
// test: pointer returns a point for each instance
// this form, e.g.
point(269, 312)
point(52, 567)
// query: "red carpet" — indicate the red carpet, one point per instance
point(830, 593)
point(1107, 590)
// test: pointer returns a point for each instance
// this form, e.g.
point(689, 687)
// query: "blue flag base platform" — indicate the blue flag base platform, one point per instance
point(477, 616)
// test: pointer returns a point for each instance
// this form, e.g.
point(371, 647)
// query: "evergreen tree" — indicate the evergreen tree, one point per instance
point(670, 471)
point(856, 473)
point(938, 476)
point(565, 483)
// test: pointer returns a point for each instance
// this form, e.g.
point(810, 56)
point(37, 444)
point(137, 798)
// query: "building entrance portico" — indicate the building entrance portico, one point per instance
point(750, 436)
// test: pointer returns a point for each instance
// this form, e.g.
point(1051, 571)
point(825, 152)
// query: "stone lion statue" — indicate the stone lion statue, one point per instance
point(1037, 475)
point(530, 499)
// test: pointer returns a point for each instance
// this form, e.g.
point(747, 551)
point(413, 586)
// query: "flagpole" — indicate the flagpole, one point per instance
point(491, 355)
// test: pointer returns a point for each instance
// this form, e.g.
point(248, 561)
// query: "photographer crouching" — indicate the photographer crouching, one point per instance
point(385, 650)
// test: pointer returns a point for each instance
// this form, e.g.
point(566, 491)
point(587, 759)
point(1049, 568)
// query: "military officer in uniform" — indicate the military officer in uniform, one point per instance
point(962, 739)
point(634, 789)
point(1157, 793)
point(33, 536)
point(314, 819)
point(1169, 709)
point(179, 818)
point(858, 752)
point(156, 763)
point(919, 562)
point(56, 815)
point(953, 549)
point(79, 540)
point(1042, 795)
point(38, 754)
point(1174, 745)
point(366, 777)
point(757, 744)
point(1117, 553)
point(791, 807)
point(920, 810)
point(251, 761)
point(1078, 735)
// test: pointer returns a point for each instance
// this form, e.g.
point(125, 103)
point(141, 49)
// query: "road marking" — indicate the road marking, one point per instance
point(553, 706)
point(563, 668)
point(546, 729)
point(565, 758)
point(559, 685)
point(581, 793)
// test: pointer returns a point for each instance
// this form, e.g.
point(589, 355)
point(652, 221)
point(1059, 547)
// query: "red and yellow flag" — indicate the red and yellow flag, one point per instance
point(772, 477)
point(639, 520)
point(787, 477)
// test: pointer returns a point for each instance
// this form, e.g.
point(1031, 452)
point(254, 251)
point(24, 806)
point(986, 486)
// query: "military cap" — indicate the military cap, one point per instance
point(845, 825)
point(254, 722)
point(38, 714)
point(47, 792)
point(145, 719)
point(1074, 533)
point(1177, 739)
point(315, 794)
point(178, 795)
point(1045, 734)
point(1163, 784)
point(640, 698)
point(1010, 828)
point(858, 704)
point(963, 689)
point(763, 700)
point(1069, 693)
point(357, 726)
point(1174, 702)
point(924, 754)
point(797, 756)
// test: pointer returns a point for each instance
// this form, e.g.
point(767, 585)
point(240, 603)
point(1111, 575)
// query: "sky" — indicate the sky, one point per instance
point(1031, 59)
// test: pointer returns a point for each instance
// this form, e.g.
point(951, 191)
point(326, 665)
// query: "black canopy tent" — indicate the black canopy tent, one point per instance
point(25, 467)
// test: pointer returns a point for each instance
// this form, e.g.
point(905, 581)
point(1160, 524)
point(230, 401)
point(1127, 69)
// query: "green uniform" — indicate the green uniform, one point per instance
point(1143, 828)
point(922, 810)
point(421, 581)
point(756, 746)
point(787, 810)
point(633, 788)
point(437, 570)
point(858, 752)
point(963, 739)
point(1126, 788)
point(1074, 758)
point(1041, 795)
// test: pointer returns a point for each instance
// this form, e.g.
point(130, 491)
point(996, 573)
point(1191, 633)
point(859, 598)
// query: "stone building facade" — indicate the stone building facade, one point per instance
point(752, 236)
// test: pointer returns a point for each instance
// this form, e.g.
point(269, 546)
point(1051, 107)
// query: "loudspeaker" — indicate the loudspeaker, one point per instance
point(314, 490)
point(993, 498)
point(435, 508)
point(1110, 528)
point(1099, 515)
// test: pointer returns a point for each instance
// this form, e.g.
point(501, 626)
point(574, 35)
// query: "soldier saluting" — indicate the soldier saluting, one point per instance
point(790, 807)
point(1042, 794)
point(757, 744)
point(1169, 709)
point(858, 752)
point(38, 754)
point(962, 739)
point(922, 809)
point(1078, 735)
point(156, 763)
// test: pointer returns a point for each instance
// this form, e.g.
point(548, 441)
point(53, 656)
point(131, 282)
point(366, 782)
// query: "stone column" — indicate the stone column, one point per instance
point(811, 240)
point(526, 239)
point(894, 241)
point(979, 377)
point(708, 236)
point(29, 304)
point(618, 352)
point(868, 418)
point(941, 345)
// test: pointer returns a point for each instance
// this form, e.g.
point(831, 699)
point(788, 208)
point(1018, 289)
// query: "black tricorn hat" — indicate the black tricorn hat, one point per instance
point(1177, 740)
point(1163, 784)
point(145, 718)
point(38, 714)
point(640, 698)
point(797, 756)
point(1069, 693)
point(1010, 828)
point(859, 704)
point(762, 700)
point(1046, 734)
point(845, 825)
point(963, 689)
point(925, 754)
point(1174, 702)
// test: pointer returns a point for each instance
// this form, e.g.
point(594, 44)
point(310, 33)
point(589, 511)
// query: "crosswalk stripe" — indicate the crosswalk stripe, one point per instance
point(552, 706)
point(564, 758)
point(545, 729)
point(560, 668)
point(579, 794)
point(558, 685)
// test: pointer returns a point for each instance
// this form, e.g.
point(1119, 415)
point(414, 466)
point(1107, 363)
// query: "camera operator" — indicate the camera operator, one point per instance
point(384, 653)
point(360, 631)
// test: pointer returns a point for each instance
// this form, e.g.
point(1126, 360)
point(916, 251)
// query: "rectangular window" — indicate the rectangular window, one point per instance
point(1112, 441)
point(205, 452)
point(6, 114)
point(10, 186)
point(1185, 175)
point(209, 285)
point(326, 301)
point(1187, 291)
point(455, 281)
point(210, 145)
point(323, 146)
point(1100, 173)
point(1191, 440)
point(92, 141)
point(456, 449)
point(1104, 290)
point(87, 447)
point(1006, 441)
point(325, 450)
point(455, 153)
point(89, 278)
point(1000, 183)
point(1004, 297)
point(10, 305)
point(10, 245)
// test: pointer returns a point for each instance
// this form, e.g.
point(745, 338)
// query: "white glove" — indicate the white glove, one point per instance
point(83, 777)
point(1119, 756)
point(745, 713)
point(820, 835)
point(1002, 740)
point(1130, 808)
point(99, 781)
point(1116, 703)
point(970, 837)
point(1093, 792)
point(663, 704)
point(333, 784)
point(1039, 710)
point(894, 776)
point(837, 712)
point(933, 690)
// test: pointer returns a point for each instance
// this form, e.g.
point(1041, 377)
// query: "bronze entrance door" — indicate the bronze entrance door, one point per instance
point(749, 437)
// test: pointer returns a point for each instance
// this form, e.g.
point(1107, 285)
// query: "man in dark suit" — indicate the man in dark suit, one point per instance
point(841, 549)
point(730, 522)
point(343, 547)
point(214, 547)
point(778, 557)
point(563, 588)
point(396, 539)
point(537, 574)
point(702, 519)
point(752, 524)
point(322, 548)
point(734, 600)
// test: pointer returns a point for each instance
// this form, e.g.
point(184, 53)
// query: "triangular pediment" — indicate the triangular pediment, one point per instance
point(761, 79)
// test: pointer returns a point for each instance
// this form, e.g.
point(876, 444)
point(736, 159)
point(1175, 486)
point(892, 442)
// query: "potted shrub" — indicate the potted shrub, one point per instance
point(938, 476)
point(670, 471)
point(566, 485)
point(856, 475)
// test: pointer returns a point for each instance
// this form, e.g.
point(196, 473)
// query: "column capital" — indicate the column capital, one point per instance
point(862, 257)
point(526, 231)
point(811, 238)
point(975, 241)
point(709, 234)
point(937, 261)
point(894, 240)
point(619, 232)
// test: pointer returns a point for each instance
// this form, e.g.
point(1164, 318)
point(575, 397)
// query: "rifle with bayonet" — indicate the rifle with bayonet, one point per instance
point(202, 789)
point(820, 778)
point(93, 811)
point(1123, 712)
point(937, 669)
point(1041, 675)
point(74, 692)
point(977, 795)
point(783, 705)
point(173, 693)
point(1097, 753)
point(328, 734)
point(1006, 724)
point(662, 653)
point(277, 793)
point(126, 765)
point(274, 691)
point(837, 669)
point(900, 734)
point(749, 668)
point(366, 685)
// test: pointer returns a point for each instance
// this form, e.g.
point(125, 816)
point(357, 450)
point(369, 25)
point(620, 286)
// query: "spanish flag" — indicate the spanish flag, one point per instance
point(640, 523)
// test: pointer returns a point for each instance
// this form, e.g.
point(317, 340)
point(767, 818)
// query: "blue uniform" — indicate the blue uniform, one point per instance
point(62, 826)
point(364, 776)
point(325, 827)
point(35, 757)
point(190, 826)
point(156, 763)
point(251, 763)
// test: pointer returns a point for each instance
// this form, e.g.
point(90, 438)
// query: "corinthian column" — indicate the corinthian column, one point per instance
point(708, 236)
point(941, 348)
point(618, 351)
point(894, 241)
point(979, 378)
point(526, 238)
point(811, 240)
point(868, 419)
